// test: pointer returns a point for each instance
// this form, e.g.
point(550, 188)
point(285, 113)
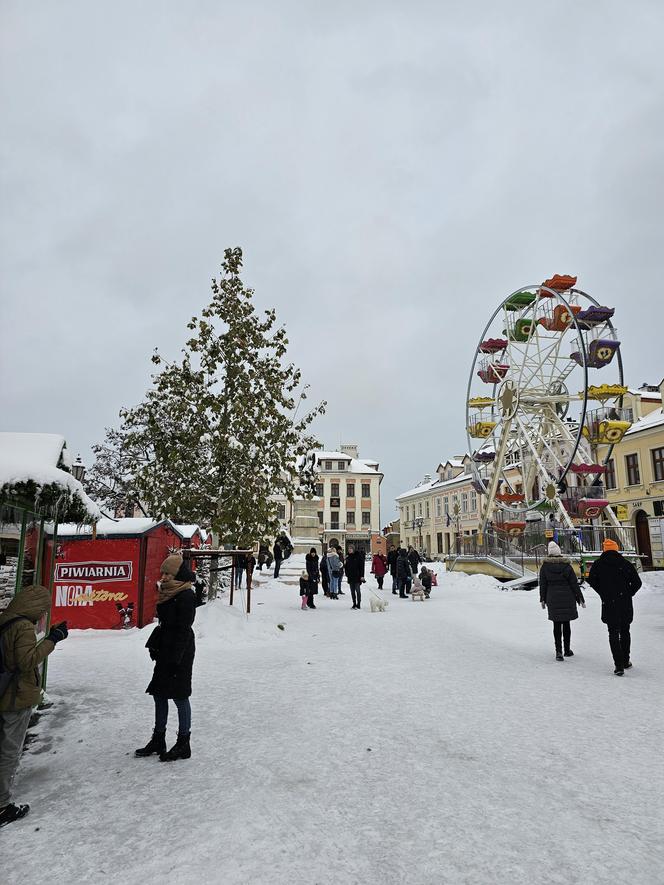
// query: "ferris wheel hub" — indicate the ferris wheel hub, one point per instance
point(508, 397)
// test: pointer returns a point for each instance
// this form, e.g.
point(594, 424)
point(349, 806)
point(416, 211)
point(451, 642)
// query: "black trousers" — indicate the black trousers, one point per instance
point(620, 642)
point(379, 579)
point(562, 628)
point(356, 593)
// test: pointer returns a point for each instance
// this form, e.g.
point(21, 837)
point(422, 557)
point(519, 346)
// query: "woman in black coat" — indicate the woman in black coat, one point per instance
point(313, 573)
point(404, 573)
point(560, 593)
point(172, 647)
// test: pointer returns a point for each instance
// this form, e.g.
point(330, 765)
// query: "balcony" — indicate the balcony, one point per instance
point(336, 527)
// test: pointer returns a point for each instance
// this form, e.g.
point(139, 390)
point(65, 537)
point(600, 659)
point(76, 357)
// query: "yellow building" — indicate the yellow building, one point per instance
point(635, 471)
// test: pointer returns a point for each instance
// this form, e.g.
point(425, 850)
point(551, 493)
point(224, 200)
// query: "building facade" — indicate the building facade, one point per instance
point(440, 511)
point(347, 498)
point(635, 474)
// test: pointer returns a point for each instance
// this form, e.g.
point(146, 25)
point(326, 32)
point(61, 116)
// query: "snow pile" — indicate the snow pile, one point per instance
point(653, 582)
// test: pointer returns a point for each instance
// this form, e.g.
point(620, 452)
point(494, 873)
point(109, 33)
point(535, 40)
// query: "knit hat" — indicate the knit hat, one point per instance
point(554, 549)
point(171, 565)
point(610, 544)
point(304, 574)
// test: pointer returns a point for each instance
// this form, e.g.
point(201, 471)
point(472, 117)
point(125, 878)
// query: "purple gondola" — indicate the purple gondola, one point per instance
point(594, 315)
point(600, 353)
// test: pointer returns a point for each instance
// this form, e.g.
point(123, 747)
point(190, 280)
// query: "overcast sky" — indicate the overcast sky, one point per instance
point(392, 170)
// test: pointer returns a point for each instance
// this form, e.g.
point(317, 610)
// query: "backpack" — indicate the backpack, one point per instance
point(7, 676)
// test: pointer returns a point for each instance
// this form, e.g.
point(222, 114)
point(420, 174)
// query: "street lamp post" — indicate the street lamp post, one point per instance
point(78, 469)
point(417, 524)
point(457, 511)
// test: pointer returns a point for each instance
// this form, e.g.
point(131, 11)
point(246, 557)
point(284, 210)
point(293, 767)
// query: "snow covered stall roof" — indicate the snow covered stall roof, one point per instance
point(34, 472)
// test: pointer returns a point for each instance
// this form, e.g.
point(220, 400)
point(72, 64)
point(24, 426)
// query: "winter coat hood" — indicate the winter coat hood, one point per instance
point(31, 602)
point(171, 565)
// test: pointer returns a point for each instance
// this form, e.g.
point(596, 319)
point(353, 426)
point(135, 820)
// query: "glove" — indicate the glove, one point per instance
point(543, 604)
point(583, 605)
point(58, 633)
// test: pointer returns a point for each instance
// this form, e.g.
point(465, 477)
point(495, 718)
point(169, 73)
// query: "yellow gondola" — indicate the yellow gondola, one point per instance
point(603, 392)
point(481, 429)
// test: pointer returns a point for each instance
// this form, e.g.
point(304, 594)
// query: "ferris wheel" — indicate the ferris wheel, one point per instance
point(536, 416)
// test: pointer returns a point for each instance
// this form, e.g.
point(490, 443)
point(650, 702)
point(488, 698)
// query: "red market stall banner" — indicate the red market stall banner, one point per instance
point(109, 582)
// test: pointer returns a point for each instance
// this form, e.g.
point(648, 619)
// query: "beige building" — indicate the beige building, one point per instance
point(347, 499)
point(635, 474)
point(440, 509)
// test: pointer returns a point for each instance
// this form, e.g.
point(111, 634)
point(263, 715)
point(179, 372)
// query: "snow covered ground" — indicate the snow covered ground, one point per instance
point(438, 742)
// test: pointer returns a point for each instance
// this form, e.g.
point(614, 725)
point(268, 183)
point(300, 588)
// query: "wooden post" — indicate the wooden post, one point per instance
point(230, 601)
point(248, 591)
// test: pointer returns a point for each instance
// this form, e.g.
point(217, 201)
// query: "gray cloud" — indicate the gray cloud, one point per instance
point(391, 170)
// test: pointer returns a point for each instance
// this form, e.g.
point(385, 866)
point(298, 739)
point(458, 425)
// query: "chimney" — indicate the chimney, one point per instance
point(351, 450)
point(427, 478)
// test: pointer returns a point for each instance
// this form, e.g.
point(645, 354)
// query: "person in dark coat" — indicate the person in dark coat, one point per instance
point(414, 559)
point(240, 569)
point(379, 568)
point(426, 578)
point(615, 580)
point(325, 574)
point(392, 565)
point(172, 647)
point(313, 571)
point(278, 556)
point(354, 567)
point(404, 574)
point(305, 592)
point(560, 593)
point(250, 565)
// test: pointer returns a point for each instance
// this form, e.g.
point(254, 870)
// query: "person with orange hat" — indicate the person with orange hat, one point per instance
point(615, 580)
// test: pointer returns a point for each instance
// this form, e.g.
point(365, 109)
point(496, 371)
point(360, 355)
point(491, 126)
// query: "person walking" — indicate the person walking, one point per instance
point(278, 556)
point(403, 572)
point(313, 571)
point(392, 565)
point(240, 569)
point(305, 591)
point(615, 580)
point(379, 568)
point(335, 569)
point(414, 559)
point(250, 565)
point(354, 567)
point(20, 689)
point(172, 647)
point(560, 593)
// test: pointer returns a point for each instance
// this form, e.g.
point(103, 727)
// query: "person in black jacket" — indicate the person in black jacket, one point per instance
point(616, 581)
point(354, 567)
point(278, 556)
point(392, 565)
point(313, 572)
point(560, 593)
point(414, 559)
point(404, 574)
point(172, 648)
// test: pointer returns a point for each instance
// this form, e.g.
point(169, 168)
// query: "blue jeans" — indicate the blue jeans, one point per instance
point(334, 584)
point(161, 714)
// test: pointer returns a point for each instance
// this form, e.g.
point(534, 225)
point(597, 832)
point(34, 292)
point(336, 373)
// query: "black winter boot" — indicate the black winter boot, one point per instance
point(12, 812)
point(156, 744)
point(179, 750)
point(559, 656)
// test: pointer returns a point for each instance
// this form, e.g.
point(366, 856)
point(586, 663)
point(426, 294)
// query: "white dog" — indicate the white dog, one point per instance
point(378, 605)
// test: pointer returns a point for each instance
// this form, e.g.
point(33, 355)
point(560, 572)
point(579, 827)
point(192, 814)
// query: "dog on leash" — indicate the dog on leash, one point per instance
point(378, 605)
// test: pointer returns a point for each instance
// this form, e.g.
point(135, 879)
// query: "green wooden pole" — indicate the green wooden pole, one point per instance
point(21, 552)
point(51, 574)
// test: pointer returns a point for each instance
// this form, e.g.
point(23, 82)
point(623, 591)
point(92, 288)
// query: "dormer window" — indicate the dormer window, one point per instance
point(341, 465)
point(328, 465)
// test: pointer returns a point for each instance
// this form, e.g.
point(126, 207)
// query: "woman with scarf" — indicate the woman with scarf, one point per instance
point(172, 648)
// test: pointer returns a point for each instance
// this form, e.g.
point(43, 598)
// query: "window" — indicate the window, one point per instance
point(464, 502)
point(328, 465)
point(658, 464)
point(334, 520)
point(632, 466)
point(366, 490)
point(473, 502)
point(426, 509)
point(439, 541)
point(350, 517)
point(439, 512)
point(335, 490)
point(658, 507)
point(350, 489)
point(446, 502)
point(611, 474)
point(319, 489)
point(341, 466)
point(419, 509)
point(320, 517)
point(281, 511)
point(366, 517)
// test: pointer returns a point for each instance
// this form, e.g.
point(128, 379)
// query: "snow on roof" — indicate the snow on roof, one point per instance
point(654, 419)
point(128, 525)
point(436, 484)
point(653, 395)
point(187, 531)
point(353, 465)
point(34, 457)
point(332, 456)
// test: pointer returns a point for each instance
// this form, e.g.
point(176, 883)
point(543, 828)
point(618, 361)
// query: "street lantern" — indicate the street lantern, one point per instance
point(417, 524)
point(78, 469)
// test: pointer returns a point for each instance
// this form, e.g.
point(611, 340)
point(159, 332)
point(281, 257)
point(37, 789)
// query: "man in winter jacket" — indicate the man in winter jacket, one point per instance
point(354, 567)
point(21, 655)
point(404, 573)
point(278, 556)
point(616, 581)
point(414, 559)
